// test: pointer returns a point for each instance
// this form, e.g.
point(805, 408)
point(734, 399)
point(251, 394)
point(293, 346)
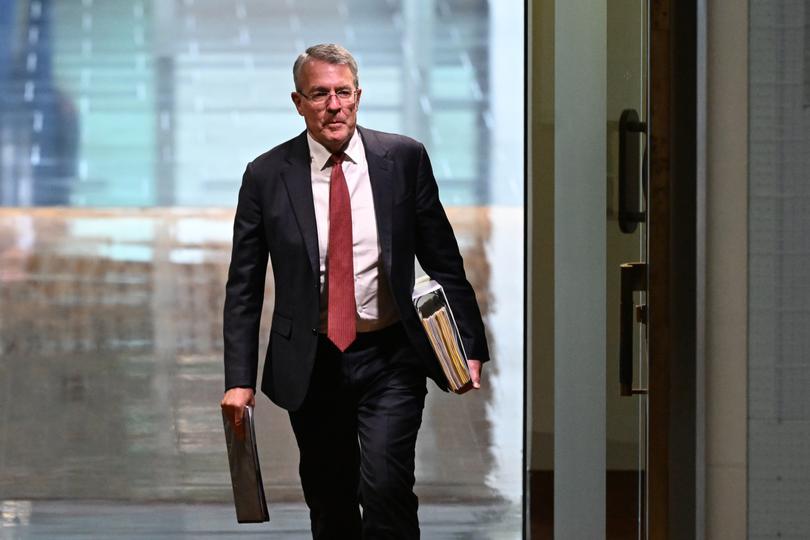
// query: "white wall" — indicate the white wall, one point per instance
point(726, 269)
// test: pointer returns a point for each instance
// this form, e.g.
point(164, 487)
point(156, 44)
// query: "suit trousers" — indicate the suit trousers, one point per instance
point(356, 433)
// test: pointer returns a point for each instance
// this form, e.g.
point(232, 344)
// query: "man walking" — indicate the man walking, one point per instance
point(342, 211)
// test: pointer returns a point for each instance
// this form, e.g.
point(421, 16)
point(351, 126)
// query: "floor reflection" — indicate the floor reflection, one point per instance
point(110, 336)
point(45, 520)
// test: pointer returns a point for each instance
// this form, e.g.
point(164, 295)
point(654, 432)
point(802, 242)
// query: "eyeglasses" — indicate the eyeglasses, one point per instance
point(321, 97)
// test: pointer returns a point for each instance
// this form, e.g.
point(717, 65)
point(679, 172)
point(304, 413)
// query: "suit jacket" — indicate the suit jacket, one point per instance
point(275, 216)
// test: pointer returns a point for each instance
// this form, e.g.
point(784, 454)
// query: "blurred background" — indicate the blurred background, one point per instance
point(125, 126)
point(139, 103)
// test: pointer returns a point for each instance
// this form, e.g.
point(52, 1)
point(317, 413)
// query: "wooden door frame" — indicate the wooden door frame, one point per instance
point(673, 271)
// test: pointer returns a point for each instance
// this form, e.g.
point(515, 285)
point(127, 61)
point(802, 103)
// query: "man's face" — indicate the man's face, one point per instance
point(331, 123)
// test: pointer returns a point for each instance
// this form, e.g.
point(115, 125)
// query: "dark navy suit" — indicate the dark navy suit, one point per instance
point(375, 390)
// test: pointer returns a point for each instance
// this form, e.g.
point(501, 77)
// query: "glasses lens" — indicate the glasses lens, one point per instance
point(345, 97)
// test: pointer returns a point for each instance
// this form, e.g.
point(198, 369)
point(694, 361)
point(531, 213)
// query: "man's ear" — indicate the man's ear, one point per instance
point(297, 99)
point(357, 98)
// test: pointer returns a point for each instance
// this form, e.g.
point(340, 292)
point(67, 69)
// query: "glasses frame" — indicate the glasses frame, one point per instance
point(350, 100)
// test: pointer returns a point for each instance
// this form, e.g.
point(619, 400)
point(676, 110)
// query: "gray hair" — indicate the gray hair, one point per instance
point(325, 52)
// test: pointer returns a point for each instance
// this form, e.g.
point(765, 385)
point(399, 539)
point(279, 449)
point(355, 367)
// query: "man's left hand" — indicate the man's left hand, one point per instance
point(475, 372)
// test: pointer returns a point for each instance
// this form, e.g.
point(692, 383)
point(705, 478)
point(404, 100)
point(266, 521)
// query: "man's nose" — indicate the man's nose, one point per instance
point(333, 103)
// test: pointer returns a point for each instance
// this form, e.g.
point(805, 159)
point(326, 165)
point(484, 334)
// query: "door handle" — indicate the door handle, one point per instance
point(633, 278)
point(630, 129)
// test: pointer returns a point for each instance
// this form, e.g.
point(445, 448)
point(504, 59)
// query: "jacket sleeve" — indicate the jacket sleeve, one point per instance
point(244, 291)
point(437, 251)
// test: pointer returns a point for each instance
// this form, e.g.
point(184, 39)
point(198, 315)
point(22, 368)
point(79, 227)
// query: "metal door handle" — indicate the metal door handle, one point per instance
point(633, 278)
point(630, 128)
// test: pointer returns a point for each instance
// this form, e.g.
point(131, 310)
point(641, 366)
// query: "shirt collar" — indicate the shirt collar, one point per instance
point(320, 155)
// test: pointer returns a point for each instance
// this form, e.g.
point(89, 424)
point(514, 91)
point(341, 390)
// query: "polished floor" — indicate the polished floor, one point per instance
point(110, 336)
point(69, 520)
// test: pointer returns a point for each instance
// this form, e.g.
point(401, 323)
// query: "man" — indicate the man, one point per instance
point(342, 211)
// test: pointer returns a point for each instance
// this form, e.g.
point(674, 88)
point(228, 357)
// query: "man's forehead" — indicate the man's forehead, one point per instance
point(319, 72)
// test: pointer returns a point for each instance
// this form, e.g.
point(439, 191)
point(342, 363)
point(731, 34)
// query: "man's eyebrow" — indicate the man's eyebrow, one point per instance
point(326, 89)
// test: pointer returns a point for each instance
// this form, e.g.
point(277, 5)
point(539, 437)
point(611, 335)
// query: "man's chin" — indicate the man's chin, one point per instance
point(336, 131)
point(337, 137)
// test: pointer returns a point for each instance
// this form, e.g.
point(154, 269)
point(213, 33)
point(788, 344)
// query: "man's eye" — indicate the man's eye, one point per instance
point(344, 93)
point(319, 95)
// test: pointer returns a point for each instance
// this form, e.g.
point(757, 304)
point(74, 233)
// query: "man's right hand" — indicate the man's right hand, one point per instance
point(234, 402)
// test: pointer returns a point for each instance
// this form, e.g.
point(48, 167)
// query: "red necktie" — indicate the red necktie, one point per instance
point(341, 327)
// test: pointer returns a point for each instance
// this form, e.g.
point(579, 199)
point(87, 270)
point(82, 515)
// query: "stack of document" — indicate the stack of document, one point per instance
point(442, 332)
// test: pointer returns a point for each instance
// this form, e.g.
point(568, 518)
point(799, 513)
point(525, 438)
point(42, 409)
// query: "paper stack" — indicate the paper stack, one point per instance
point(442, 332)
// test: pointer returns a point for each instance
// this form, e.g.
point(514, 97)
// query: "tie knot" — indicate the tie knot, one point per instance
point(338, 158)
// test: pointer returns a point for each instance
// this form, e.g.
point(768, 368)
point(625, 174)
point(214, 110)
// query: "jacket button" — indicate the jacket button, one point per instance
point(314, 331)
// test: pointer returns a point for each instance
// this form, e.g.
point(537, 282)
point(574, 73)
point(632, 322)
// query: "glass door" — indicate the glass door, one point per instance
point(627, 399)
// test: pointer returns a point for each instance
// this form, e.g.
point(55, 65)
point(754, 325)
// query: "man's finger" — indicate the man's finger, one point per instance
point(475, 373)
point(238, 422)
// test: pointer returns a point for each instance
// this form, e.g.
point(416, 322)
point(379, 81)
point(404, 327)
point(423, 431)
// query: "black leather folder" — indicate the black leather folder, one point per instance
point(246, 475)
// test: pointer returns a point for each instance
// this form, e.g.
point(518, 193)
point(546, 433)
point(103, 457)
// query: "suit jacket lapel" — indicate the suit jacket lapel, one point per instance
point(379, 172)
point(298, 180)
